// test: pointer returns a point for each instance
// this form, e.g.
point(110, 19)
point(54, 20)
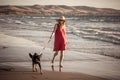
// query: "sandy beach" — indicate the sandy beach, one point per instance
point(18, 63)
point(84, 59)
point(17, 73)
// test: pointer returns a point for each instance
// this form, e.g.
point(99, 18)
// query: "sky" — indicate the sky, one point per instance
point(93, 3)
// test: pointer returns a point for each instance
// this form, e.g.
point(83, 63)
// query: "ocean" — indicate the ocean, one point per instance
point(98, 35)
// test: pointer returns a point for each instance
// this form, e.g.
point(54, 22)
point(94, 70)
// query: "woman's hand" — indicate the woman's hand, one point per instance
point(52, 35)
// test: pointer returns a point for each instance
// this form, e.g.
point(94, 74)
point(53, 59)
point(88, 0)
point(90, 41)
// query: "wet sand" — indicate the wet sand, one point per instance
point(16, 64)
point(25, 74)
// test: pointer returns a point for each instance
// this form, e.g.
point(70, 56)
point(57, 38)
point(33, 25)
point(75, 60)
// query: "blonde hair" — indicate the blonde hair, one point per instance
point(62, 25)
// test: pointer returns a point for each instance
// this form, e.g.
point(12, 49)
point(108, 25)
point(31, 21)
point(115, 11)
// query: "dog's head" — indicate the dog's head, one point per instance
point(35, 56)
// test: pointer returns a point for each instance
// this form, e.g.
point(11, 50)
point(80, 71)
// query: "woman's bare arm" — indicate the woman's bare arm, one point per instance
point(53, 32)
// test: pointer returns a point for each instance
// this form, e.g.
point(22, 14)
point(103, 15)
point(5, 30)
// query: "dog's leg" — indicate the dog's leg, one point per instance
point(36, 67)
point(40, 68)
point(33, 67)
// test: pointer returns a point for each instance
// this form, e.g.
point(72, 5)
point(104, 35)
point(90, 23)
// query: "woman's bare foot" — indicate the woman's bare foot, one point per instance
point(60, 65)
point(41, 72)
point(52, 63)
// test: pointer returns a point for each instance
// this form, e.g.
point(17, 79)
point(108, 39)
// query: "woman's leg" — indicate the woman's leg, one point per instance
point(61, 58)
point(55, 54)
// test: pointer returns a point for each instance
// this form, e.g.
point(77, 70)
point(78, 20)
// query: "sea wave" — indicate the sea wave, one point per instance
point(98, 34)
point(104, 31)
point(107, 33)
point(20, 22)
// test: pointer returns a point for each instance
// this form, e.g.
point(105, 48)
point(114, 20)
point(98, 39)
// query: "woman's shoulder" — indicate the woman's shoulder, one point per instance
point(56, 24)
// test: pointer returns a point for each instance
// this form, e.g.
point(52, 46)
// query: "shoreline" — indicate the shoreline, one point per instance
point(113, 51)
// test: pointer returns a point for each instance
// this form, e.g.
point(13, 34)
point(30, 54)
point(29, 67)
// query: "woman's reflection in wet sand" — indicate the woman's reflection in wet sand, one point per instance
point(60, 68)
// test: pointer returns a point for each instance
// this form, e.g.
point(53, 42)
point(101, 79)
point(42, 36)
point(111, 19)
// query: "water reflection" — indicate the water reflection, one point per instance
point(59, 68)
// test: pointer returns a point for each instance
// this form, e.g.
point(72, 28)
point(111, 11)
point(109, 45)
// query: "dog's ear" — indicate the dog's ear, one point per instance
point(40, 55)
point(30, 55)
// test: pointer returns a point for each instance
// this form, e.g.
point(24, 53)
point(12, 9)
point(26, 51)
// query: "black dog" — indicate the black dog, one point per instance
point(36, 61)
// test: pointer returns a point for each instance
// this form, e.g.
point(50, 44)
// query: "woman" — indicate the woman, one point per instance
point(60, 39)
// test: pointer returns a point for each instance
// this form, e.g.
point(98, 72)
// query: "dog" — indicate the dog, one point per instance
point(36, 61)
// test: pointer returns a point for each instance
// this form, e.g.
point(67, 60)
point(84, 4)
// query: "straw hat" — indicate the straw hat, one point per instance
point(62, 18)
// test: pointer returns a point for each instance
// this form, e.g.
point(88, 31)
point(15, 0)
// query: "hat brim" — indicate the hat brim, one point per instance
point(60, 20)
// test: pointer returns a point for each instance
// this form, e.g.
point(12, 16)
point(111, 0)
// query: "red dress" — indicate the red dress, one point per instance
point(60, 39)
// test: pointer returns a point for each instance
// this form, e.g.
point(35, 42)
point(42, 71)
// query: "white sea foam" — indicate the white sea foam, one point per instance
point(38, 17)
point(31, 23)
